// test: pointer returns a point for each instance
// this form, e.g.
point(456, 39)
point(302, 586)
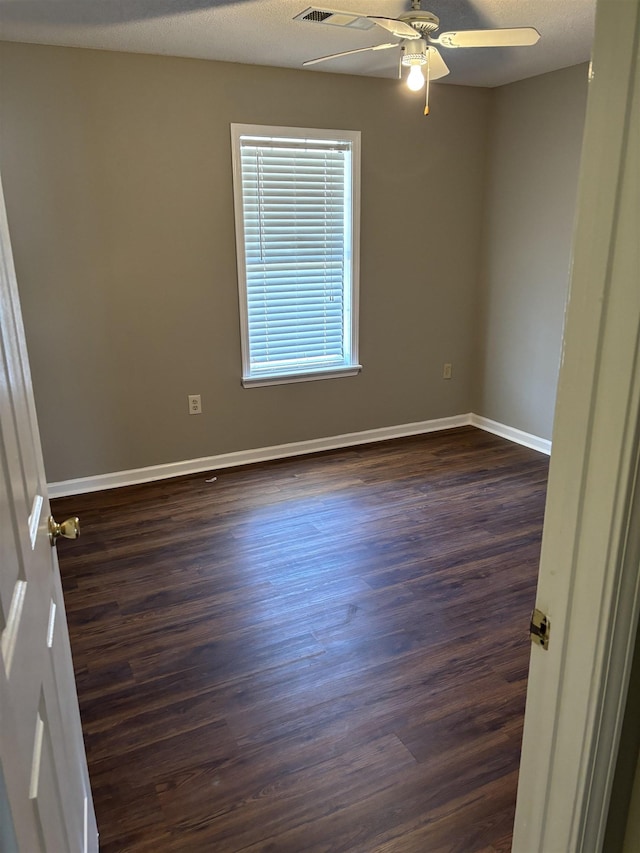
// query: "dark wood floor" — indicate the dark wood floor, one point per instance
point(321, 654)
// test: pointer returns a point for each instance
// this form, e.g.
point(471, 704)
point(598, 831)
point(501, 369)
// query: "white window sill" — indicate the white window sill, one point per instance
point(287, 378)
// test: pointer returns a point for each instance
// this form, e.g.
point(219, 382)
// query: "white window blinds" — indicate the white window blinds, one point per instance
point(297, 226)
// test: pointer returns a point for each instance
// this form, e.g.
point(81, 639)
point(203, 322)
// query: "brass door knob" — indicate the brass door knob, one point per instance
point(70, 529)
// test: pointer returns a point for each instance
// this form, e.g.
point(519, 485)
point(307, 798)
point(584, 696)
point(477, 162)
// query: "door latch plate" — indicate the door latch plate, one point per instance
point(540, 628)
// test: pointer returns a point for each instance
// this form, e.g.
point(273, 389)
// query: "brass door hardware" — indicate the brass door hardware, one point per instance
point(69, 529)
point(540, 628)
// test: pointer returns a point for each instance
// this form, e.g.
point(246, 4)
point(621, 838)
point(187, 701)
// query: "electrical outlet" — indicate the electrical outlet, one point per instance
point(446, 371)
point(195, 404)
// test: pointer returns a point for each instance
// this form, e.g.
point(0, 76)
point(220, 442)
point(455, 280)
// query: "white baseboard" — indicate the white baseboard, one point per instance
point(512, 434)
point(115, 480)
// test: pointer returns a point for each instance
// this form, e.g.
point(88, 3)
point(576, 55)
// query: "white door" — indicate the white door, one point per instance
point(589, 583)
point(45, 799)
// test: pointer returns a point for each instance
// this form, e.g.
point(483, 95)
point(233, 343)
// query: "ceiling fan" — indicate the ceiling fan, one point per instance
point(418, 43)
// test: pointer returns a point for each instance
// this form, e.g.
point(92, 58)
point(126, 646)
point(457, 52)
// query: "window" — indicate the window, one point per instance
point(297, 234)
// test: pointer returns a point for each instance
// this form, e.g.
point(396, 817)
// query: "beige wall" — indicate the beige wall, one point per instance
point(117, 179)
point(534, 151)
point(117, 173)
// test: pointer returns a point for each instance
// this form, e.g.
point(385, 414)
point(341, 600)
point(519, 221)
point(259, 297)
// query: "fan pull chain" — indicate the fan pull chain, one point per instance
point(426, 97)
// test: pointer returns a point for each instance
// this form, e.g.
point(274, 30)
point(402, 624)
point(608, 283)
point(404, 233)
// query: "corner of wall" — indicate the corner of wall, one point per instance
point(479, 348)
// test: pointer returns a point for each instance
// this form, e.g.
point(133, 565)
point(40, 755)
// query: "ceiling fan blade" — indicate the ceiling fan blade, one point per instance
point(437, 66)
point(348, 53)
point(514, 37)
point(397, 28)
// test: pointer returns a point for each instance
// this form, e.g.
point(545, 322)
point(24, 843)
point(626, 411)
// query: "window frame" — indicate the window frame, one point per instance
point(352, 263)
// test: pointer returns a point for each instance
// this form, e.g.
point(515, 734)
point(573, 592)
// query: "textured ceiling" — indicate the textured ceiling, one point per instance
point(263, 32)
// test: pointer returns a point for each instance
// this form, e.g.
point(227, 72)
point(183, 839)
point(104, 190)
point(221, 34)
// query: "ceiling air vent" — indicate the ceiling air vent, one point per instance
point(336, 19)
point(316, 15)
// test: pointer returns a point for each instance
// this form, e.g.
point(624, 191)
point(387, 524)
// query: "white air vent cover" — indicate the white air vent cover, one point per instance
point(336, 19)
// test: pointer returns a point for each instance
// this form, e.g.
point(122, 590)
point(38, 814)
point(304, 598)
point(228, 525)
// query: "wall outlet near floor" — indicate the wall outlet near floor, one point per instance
point(195, 404)
point(446, 371)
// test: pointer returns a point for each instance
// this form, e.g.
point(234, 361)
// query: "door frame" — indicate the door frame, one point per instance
point(589, 584)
